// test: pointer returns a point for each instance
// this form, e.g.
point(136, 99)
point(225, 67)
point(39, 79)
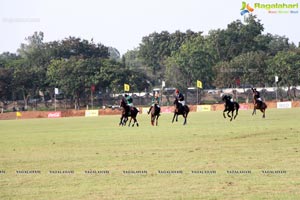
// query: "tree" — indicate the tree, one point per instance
point(238, 38)
point(156, 48)
point(73, 76)
point(76, 47)
point(114, 54)
point(246, 69)
point(192, 62)
point(278, 43)
point(133, 61)
point(6, 78)
point(286, 65)
point(153, 49)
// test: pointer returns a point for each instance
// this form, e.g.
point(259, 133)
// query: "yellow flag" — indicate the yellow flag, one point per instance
point(199, 84)
point(18, 114)
point(126, 87)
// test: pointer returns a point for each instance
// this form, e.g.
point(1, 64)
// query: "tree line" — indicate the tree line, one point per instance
point(238, 56)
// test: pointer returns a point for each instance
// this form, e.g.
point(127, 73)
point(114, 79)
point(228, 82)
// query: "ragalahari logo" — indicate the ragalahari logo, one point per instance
point(246, 8)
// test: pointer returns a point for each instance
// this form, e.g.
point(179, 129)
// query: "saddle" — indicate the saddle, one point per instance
point(180, 108)
point(258, 102)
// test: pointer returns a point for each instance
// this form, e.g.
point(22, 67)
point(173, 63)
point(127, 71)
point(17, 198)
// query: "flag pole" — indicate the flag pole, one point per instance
point(197, 96)
point(55, 93)
point(54, 101)
point(199, 85)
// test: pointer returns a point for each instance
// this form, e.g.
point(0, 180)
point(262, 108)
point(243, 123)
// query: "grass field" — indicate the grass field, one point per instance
point(210, 158)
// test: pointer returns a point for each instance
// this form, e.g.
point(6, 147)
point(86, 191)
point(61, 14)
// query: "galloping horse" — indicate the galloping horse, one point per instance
point(230, 107)
point(127, 112)
point(155, 113)
point(180, 110)
point(258, 104)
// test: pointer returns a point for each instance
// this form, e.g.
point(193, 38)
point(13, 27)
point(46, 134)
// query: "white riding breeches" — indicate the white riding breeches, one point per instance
point(182, 102)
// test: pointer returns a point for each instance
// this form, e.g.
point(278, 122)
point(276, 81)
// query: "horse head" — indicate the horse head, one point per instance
point(176, 102)
point(225, 98)
point(123, 103)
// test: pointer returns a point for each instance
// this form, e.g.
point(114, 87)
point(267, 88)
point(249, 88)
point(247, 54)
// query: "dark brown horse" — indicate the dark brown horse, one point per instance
point(155, 113)
point(260, 105)
point(180, 110)
point(128, 112)
point(230, 107)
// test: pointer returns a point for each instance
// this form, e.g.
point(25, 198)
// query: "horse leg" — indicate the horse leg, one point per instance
point(130, 121)
point(263, 111)
point(137, 124)
point(152, 120)
point(121, 121)
point(125, 119)
point(184, 116)
point(135, 121)
point(236, 113)
point(173, 117)
point(157, 120)
point(254, 111)
point(224, 113)
point(177, 118)
point(228, 113)
point(231, 115)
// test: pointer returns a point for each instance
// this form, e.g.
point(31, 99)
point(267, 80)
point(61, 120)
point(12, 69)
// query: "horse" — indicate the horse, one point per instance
point(155, 113)
point(127, 112)
point(180, 110)
point(258, 104)
point(230, 107)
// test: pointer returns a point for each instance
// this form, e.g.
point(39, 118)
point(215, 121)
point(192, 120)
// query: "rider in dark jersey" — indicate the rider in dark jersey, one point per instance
point(256, 96)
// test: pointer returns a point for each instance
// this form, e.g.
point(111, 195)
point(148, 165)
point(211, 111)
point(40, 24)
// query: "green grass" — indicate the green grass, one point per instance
point(208, 142)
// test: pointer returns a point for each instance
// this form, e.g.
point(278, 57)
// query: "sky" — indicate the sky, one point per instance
point(123, 23)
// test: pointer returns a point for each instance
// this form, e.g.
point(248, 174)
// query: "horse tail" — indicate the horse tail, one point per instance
point(137, 109)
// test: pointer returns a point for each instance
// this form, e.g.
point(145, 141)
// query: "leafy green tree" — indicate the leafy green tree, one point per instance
point(285, 65)
point(192, 62)
point(76, 47)
point(6, 79)
point(156, 48)
point(73, 76)
point(238, 38)
point(6, 76)
point(25, 79)
point(30, 69)
point(248, 69)
point(152, 50)
point(133, 62)
point(278, 43)
point(114, 54)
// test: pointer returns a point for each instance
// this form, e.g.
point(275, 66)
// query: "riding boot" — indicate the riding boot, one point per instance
point(131, 110)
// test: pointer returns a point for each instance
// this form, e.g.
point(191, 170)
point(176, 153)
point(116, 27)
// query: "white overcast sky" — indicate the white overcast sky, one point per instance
point(123, 23)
